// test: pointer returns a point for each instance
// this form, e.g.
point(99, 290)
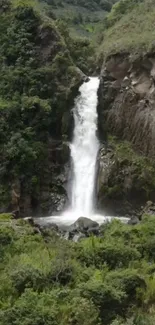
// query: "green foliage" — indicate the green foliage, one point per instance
point(81, 49)
point(5, 216)
point(121, 29)
point(48, 280)
point(140, 168)
point(35, 91)
point(121, 8)
point(82, 16)
point(105, 297)
point(101, 251)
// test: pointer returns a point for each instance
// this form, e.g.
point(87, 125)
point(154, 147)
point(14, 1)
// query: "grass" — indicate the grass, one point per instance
point(133, 33)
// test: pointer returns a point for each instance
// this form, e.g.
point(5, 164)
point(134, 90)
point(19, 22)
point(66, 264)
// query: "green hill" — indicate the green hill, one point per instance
point(81, 16)
point(130, 27)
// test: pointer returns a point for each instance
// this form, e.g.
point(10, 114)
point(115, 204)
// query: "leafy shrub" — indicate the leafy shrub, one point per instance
point(105, 297)
point(31, 309)
point(97, 251)
point(48, 280)
point(128, 280)
point(6, 236)
point(5, 217)
point(28, 277)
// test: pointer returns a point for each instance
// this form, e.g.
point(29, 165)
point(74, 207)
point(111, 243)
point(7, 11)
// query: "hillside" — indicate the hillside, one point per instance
point(129, 28)
point(82, 16)
point(37, 88)
point(127, 103)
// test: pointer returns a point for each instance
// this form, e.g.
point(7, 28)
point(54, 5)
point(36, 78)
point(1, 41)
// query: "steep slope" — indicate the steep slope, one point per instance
point(81, 16)
point(129, 28)
point(37, 86)
point(127, 99)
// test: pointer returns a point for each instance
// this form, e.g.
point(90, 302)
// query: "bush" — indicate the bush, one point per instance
point(28, 277)
point(5, 217)
point(97, 251)
point(80, 311)
point(31, 309)
point(129, 281)
point(105, 297)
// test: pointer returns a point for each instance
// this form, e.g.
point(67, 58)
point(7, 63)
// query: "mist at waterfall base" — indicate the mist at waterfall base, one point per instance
point(84, 150)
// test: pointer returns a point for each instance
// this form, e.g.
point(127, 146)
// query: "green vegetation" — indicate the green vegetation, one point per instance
point(129, 28)
point(48, 280)
point(38, 77)
point(137, 169)
point(81, 49)
point(82, 17)
point(44, 279)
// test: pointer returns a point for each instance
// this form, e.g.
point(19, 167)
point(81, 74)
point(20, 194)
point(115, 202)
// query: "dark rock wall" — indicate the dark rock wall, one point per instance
point(127, 101)
point(126, 113)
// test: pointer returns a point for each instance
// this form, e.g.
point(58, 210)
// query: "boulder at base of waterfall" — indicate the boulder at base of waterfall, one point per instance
point(148, 209)
point(78, 237)
point(42, 224)
point(84, 225)
point(134, 220)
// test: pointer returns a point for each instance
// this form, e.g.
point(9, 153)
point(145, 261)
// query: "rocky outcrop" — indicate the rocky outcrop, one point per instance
point(127, 101)
point(82, 228)
point(84, 224)
point(127, 113)
point(125, 179)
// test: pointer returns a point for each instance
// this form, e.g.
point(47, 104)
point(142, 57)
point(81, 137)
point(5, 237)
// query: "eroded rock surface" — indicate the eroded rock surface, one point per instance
point(126, 180)
point(127, 101)
point(127, 112)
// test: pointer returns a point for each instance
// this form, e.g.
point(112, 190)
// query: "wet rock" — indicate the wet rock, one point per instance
point(36, 230)
point(43, 224)
point(134, 220)
point(16, 214)
point(93, 231)
point(58, 201)
point(78, 237)
point(51, 226)
point(84, 77)
point(30, 220)
point(148, 209)
point(67, 235)
point(84, 224)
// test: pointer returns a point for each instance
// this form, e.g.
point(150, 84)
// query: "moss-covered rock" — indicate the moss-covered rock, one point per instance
point(126, 180)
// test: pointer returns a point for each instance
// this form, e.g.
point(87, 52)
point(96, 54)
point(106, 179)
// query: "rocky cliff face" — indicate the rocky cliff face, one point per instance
point(127, 101)
point(127, 111)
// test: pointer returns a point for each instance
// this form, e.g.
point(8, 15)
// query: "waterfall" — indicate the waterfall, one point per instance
point(84, 149)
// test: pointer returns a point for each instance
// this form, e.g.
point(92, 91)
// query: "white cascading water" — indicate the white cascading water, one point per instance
point(84, 149)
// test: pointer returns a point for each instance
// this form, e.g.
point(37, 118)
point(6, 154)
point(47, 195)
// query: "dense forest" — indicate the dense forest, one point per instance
point(92, 5)
point(47, 49)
